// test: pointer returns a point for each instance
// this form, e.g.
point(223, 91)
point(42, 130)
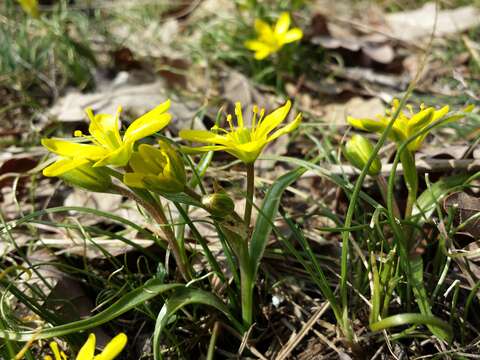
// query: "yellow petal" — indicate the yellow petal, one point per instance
point(88, 349)
point(286, 129)
point(271, 121)
point(440, 113)
point(30, 7)
point(61, 166)
point(55, 350)
point(254, 45)
point(263, 53)
point(264, 29)
point(154, 159)
point(119, 157)
point(113, 348)
point(283, 23)
point(149, 123)
point(70, 149)
point(47, 357)
point(105, 128)
point(367, 124)
point(292, 35)
point(199, 149)
point(420, 120)
point(134, 180)
point(203, 136)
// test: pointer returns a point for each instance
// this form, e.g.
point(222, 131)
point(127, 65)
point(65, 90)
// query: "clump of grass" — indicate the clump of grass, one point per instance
point(40, 56)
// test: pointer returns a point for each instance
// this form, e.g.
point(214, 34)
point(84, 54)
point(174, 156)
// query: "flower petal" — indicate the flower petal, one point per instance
point(149, 123)
point(119, 157)
point(262, 54)
point(88, 349)
point(286, 129)
point(113, 348)
point(263, 29)
point(61, 166)
point(292, 35)
point(203, 136)
point(71, 149)
point(134, 179)
point(271, 121)
point(199, 149)
point(105, 128)
point(55, 350)
point(420, 120)
point(283, 23)
point(255, 45)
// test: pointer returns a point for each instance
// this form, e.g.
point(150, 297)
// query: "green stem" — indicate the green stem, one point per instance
point(192, 193)
point(247, 296)
point(213, 341)
point(156, 211)
point(383, 186)
point(250, 191)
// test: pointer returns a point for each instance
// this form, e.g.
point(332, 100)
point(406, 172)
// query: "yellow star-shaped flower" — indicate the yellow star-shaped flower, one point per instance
point(272, 38)
point(245, 143)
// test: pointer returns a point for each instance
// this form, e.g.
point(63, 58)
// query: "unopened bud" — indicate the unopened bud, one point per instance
point(218, 204)
point(358, 150)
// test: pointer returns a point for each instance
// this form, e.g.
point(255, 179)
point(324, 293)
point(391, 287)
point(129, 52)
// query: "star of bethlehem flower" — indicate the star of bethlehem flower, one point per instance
point(107, 146)
point(245, 143)
point(270, 39)
point(159, 169)
point(87, 352)
point(407, 123)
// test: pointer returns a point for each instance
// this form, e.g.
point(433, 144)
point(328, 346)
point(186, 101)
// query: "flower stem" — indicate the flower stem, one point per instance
point(157, 213)
point(192, 193)
point(250, 192)
point(383, 186)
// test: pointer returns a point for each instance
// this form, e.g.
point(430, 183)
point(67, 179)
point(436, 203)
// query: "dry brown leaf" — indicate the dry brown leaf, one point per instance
point(417, 25)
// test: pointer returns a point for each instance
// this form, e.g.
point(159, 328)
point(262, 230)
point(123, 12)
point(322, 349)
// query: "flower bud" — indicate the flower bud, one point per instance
point(218, 204)
point(88, 178)
point(160, 170)
point(358, 150)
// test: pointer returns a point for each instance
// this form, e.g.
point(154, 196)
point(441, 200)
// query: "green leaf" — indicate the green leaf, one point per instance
point(127, 302)
point(181, 298)
point(266, 217)
point(427, 201)
point(412, 318)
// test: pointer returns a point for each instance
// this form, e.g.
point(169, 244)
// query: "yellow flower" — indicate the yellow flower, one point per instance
point(406, 125)
point(107, 146)
point(30, 7)
point(272, 38)
point(160, 170)
point(245, 143)
point(87, 352)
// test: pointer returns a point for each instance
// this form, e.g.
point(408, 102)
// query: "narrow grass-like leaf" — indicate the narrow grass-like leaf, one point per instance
point(127, 302)
point(181, 298)
point(412, 318)
point(267, 213)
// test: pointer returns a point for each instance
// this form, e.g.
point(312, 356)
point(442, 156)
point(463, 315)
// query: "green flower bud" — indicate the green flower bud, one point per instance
point(218, 204)
point(160, 170)
point(89, 178)
point(358, 150)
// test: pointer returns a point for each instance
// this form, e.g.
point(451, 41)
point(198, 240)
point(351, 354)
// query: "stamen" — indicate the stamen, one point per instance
point(238, 113)
point(229, 120)
point(254, 118)
point(77, 133)
point(410, 108)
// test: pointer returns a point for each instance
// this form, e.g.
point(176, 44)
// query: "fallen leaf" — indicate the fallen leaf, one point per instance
point(418, 24)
